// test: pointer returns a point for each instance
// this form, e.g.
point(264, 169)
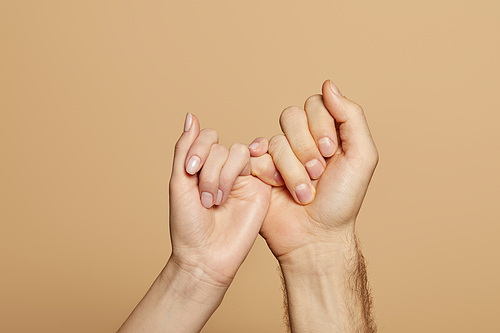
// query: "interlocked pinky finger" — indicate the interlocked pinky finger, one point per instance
point(237, 164)
point(263, 168)
point(259, 147)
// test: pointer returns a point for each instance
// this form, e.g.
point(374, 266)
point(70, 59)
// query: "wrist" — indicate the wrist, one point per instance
point(193, 283)
point(326, 280)
point(204, 268)
point(324, 256)
point(180, 300)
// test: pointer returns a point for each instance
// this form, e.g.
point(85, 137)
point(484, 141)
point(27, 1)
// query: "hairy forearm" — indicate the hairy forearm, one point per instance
point(179, 300)
point(326, 287)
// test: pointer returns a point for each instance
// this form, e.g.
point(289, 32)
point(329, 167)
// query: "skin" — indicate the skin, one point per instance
point(218, 209)
point(209, 242)
point(314, 241)
point(339, 190)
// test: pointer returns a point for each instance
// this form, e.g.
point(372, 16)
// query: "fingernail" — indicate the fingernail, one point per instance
point(304, 193)
point(334, 88)
point(219, 197)
point(278, 178)
point(193, 165)
point(315, 168)
point(253, 145)
point(188, 122)
point(326, 147)
point(207, 199)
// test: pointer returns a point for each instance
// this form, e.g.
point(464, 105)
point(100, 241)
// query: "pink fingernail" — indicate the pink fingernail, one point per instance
point(207, 199)
point(304, 193)
point(334, 88)
point(315, 168)
point(278, 178)
point(326, 147)
point(188, 122)
point(219, 197)
point(253, 145)
point(193, 165)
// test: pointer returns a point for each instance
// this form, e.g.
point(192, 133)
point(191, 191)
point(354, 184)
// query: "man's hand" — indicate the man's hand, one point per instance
point(216, 211)
point(330, 143)
point(326, 159)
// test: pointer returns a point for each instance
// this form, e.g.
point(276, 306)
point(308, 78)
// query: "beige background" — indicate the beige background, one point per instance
point(93, 96)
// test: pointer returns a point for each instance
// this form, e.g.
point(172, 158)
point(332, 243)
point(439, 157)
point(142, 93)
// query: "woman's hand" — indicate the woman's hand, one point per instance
point(216, 206)
point(216, 212)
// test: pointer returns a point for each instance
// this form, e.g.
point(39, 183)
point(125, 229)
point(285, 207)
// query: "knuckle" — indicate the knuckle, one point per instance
point(357, 108)
point(172, 185)
point(210, 133)
point(208, 183)
point(305, 151)
point(240, 149)
point(370, 159)
point(276, 142)
point(218, 149)
point(177, 149)
point(224, 181)
point(176, 185)
point(267, 160)
point(291, 113)
point(375, 157)
point(313, 101)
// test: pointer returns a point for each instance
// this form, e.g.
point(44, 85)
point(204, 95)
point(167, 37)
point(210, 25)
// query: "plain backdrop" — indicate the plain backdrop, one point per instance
point(93, 96)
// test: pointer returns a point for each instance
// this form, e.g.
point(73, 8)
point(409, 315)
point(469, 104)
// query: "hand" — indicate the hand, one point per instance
point(326, 158)
point(216, 206)
point(216, 212)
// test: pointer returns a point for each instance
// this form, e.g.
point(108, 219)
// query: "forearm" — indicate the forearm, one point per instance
point(179, 300)
point(326, 286)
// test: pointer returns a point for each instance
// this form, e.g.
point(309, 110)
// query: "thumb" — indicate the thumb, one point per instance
point(349, 116)
point(191, 132)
